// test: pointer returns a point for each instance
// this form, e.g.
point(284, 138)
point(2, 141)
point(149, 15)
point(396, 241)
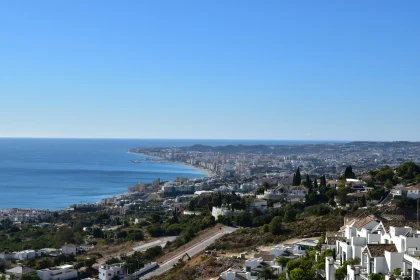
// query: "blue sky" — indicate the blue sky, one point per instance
point(328, 70)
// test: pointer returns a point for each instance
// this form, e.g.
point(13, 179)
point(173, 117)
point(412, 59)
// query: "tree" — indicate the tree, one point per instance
point(308, 182)
point(315, 184)
point(323, 181)
point(341, 272)
point(267, 273)
point(265, 228)
point(275, 225)
point(348, 173)
point(289, 213)
point(342, 195)
point(3, 265)
point(386, 173)
point(362, 201)
point(408, 170)
point(266, 185)
point(388, 184)
point(297, 179)
point(297, 274)
point(260, 190)
point(397, 271)
point(376, 276)
point(282, 261)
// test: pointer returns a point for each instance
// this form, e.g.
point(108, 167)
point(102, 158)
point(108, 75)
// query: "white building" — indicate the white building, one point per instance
point(19, 271)
point(380, 249)
point(63, 272)
point(235, 274)
point(25, 255)
point(107, 272)
point(412, 191)
point(70, 249)
point(222, 211)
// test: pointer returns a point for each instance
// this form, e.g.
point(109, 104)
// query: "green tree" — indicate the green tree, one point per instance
point(267, 273)
point(297, 178)
point(362, 201)
point(3, 265)
point(308, 182)
point(341, 273)
point(397, 271)
point(275, 225)
point(386, 173)
point(348, 173)
point(323, 181)
point(260, 190)
point(388, 184)
point(315, 184)
point(297, 274)
point(289, 213)
point(376, 276)
point(342, 195)
point(265, 228)
point(408, 170)
point(282, 261)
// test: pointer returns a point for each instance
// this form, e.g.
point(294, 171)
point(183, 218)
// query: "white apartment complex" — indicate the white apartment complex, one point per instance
point(379, 245)
point(63, 272)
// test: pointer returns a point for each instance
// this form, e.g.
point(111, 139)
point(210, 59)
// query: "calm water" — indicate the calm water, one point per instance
point(54, 173)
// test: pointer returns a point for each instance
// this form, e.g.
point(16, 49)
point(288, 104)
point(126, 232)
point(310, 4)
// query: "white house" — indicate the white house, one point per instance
point(19, 271)
point(381, 249)
point(107, 272)
point(259, 204)
point(222, 211)
point(25, 255)
point(235, 274)
point(70, 249)
point(63, 272)
point(333, 184)
point(412, 191)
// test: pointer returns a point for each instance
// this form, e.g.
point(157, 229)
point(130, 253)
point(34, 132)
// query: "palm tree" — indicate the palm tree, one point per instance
point(266, 274)
point(283, 262)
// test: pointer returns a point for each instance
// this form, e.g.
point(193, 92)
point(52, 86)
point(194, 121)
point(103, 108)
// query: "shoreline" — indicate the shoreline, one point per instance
point(205, 171)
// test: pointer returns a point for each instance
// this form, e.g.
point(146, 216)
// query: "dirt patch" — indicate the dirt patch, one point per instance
point(200, 267)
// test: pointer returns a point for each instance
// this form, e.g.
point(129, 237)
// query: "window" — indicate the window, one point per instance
point(372, 265)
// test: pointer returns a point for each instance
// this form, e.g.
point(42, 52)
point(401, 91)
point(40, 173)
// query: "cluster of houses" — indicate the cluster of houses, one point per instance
point(64, 272)
point(19, 215)
point(390, 247)
point(67, 249)
point(110, 272)
point(254, 265)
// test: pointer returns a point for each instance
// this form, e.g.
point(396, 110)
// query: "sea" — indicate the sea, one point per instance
point(43, 173)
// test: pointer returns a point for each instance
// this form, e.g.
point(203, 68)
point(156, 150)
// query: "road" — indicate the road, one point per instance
point(160, 242)
point(191, 251)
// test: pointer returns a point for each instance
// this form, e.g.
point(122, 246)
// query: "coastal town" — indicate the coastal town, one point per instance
point(245, 219)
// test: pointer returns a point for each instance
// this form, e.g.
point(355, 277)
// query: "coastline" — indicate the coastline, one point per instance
point(205, 171)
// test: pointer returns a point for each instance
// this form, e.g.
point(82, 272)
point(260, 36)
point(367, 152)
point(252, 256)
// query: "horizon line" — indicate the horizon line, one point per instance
point(199, 139)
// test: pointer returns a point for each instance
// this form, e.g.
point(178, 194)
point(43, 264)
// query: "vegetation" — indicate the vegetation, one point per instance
point(297, 178)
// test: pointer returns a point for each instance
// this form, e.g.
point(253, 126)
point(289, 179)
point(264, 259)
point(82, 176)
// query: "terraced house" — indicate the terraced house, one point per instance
point(390, 248)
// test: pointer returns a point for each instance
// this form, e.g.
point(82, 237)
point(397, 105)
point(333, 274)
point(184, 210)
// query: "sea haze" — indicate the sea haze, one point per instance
point(54, 173)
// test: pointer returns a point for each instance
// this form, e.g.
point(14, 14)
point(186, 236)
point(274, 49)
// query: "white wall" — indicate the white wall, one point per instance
point(329, 268)
point(394, 260)
point(380, 265)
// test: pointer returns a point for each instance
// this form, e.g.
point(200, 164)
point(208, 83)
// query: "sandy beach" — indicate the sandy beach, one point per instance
point(207, 172)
